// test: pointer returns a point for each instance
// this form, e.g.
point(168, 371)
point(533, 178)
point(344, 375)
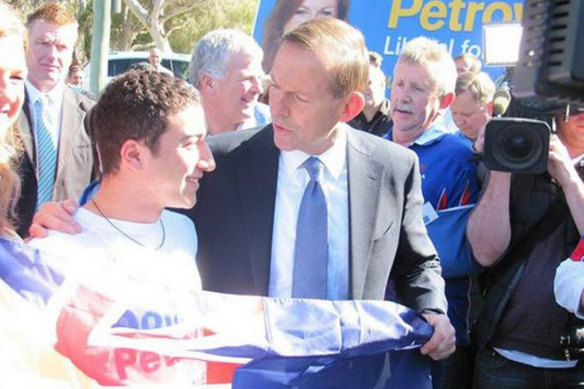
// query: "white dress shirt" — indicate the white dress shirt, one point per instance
point(54, 108)
point(291, 183)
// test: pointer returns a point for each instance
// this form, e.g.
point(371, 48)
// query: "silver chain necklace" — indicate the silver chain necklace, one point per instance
point(126, 235)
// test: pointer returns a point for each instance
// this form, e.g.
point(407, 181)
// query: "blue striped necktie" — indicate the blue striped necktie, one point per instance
point(311, 247)
point(46, 152)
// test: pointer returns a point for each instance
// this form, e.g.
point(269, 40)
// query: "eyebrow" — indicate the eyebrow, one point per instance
point(189, 137)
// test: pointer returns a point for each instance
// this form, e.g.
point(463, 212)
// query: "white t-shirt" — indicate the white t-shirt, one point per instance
point(173, 264)
point(569, 285)
point(152, 281)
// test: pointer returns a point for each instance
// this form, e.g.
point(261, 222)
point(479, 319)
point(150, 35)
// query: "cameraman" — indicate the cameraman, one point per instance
point(523, 227)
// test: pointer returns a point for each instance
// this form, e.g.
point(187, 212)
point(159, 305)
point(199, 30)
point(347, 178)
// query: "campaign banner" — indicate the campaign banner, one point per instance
point(101, 326)
point(388, 25)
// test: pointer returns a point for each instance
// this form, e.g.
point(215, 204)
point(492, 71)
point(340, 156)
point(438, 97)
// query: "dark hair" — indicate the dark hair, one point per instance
point(274, 26)
point(137, 105)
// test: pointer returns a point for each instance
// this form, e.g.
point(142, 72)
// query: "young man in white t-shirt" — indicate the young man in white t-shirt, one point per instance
point(150, 132)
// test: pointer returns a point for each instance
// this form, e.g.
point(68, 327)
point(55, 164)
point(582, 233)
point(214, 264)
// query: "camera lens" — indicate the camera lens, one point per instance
point(518, 147)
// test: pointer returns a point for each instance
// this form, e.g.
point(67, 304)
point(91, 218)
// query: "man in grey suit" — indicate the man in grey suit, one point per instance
point(250, 210)
point(248, 215)
point(57, 160)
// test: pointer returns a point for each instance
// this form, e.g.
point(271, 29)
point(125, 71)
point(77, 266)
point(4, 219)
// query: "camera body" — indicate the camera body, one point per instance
point(573, 343)
point(517, 145)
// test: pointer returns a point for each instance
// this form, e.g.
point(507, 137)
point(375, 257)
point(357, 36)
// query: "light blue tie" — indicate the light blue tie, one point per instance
point(46, 153)
point(311, 247)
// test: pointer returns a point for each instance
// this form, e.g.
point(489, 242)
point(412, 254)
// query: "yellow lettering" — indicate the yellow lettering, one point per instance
point(460, 15)
point(397, 12)
point(434, 9)
point(456, 6)
point(473, 8)
point(518, 11)
point(499, 6)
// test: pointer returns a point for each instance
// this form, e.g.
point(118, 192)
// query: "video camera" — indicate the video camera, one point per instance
point(545, 78)
point(573, 343)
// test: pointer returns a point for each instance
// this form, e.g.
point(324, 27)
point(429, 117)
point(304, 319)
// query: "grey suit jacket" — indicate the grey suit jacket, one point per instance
point(75, 158)
point(234, 217)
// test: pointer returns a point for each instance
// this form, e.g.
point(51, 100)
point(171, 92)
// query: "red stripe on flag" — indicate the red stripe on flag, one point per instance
point(465, 199)
point(219, 372)
point(578, 254)
point(442, 201)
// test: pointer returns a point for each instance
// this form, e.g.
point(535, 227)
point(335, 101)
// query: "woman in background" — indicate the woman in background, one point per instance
point(27, 359)
point(289, 14)
point(12, 75)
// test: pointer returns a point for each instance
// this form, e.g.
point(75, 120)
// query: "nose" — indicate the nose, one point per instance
point(278, 104)
point(53, 51)
point(256, 85)
point(404, 96)
point(206, 161)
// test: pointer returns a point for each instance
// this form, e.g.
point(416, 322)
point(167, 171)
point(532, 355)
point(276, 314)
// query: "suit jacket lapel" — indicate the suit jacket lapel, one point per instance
point(25, 133)
point(364, 179)
point(257, 172)
point(71, 122)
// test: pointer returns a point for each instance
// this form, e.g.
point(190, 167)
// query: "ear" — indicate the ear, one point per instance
point(132, 154)
point(353, 106)
point(446, 100)
point(207, 83)
point(489, 108)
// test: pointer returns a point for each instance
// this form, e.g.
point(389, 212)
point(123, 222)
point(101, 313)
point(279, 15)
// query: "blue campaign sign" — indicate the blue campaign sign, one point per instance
point(388, 25)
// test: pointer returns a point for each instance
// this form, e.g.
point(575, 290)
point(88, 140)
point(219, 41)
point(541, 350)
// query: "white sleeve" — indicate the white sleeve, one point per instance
point(569, 285)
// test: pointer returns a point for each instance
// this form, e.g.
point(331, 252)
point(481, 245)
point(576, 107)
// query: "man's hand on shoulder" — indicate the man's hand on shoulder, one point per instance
point(443, 342)
point(55, 216)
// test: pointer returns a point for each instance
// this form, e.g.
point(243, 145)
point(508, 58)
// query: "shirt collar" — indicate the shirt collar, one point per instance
point(54, 95)
point(429, 136)
point(333, 159)
point(579, 160)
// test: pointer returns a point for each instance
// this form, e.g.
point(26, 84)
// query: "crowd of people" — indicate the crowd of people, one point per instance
point(331, 192)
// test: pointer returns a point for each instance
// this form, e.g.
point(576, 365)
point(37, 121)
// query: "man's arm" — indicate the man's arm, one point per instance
point(418, 280)
point(569, 280)
point(562, 169)
point(55, 216)
point(489, 227)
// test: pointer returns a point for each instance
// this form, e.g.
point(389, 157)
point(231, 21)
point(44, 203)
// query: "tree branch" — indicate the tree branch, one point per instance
point(177, 27)
point(180, 11)
point(138, 11)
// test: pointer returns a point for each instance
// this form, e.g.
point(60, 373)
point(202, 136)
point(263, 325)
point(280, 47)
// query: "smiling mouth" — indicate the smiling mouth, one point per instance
point(5, 113)
point(250, 100)
point(402, 110)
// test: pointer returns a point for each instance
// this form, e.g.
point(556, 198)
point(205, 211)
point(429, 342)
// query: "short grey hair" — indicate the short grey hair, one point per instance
point(433, 55)
point(213, 51)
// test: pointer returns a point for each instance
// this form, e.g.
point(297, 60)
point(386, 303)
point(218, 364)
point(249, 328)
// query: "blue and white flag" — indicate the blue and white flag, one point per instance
point(123, 332)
